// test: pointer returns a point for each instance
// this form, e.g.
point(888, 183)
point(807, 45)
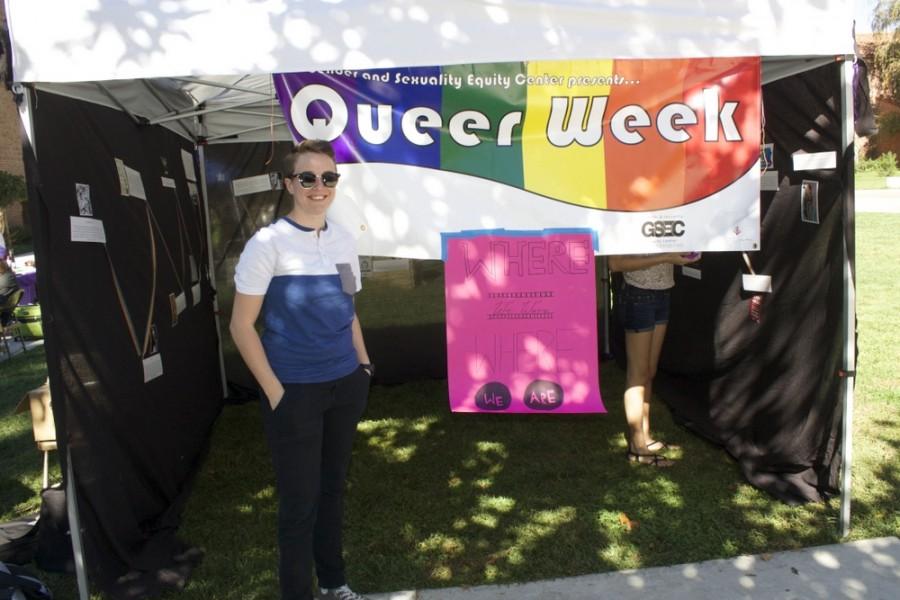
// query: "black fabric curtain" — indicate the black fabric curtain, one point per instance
point(135, 446)
point(233, 221)
point(769, 391)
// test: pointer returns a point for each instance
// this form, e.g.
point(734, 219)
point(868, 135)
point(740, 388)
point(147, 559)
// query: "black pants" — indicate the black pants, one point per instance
point(310, 435)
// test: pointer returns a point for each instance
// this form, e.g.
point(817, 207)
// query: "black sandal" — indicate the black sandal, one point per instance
point(662, 446)
point(653, 460)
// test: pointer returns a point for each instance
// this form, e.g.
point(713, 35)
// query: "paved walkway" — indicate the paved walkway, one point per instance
point(864, 570)
point(15, 347)
point(885, 201)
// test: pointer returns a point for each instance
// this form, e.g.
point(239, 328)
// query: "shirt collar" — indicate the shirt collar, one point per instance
point(302, 227)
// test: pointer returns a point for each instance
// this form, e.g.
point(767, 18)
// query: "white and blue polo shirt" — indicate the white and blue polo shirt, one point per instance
point(308, 280)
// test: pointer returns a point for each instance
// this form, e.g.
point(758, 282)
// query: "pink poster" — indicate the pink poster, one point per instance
point(522, 322)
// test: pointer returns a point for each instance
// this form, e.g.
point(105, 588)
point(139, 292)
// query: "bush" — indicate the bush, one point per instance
point(12, 188)
point(889, 124)
point(18, 236)
point(884, 165)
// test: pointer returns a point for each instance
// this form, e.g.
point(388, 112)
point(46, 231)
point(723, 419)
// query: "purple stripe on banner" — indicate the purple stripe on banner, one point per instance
point(328, 105)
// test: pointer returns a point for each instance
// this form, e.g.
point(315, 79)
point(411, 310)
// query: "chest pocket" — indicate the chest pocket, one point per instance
point(348, 280)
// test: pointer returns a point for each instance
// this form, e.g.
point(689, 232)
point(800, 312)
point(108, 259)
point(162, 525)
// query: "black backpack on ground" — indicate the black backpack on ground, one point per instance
point(53, 551)
point(18, 540)
point(18, 584)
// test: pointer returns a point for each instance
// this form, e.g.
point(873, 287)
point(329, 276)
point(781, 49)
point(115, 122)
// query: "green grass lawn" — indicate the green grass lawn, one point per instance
point(437, 499)
point(870, 181)
point(20, 462)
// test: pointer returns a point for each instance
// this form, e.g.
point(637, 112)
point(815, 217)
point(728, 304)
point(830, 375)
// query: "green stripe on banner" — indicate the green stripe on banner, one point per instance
point(490, 89)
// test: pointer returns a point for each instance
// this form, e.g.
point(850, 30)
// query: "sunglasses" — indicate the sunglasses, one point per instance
point(307, 179)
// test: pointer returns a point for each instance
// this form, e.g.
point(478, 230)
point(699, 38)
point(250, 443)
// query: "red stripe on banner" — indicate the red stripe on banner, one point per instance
point(712, 166)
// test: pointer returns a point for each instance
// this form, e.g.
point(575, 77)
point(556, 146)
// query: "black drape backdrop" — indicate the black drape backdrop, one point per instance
point(233, 221)
point(769, 392)
point(135, 446)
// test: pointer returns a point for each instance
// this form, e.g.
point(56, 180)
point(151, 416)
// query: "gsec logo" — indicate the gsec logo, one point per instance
point(663, 229)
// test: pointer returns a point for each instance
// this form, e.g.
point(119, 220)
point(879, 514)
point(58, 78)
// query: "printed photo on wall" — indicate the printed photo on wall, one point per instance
point(154, 341)
point(809, 201)
point(276, 181)
point(194, 193)
point(766, 157)
point(83, 195)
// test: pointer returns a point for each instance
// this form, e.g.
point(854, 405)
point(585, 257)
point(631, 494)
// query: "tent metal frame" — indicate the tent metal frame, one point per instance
point(186, 117)
point(849, 317)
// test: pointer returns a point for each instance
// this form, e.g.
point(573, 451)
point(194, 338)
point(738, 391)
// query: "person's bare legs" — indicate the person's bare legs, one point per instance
point(642, 349)
point(656, 342)
point(638, 349)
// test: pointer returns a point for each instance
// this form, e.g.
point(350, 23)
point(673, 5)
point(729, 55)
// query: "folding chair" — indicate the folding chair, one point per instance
point(10, 326)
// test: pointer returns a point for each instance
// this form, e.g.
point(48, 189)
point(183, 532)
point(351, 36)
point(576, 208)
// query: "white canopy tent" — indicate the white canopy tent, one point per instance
point(171, 62)
point(97, 40)
point(202, 68)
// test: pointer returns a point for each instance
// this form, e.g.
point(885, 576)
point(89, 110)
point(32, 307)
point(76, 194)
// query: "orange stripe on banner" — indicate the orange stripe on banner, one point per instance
point(658, 173)
point(650, 174)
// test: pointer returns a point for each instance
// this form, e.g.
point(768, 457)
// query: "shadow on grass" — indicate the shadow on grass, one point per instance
point(876, 509)
point(15, 494)
point(20, 461)
point(437, 499)
point(474, 499)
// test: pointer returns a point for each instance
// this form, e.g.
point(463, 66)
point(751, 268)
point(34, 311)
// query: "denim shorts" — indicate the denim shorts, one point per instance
point(643, 310)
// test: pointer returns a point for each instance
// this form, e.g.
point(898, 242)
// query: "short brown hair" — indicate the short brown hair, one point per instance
point(306, 147)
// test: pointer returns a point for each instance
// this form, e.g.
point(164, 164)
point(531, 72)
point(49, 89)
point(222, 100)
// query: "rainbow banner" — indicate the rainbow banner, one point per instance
point(572, 143)
point(521, 322)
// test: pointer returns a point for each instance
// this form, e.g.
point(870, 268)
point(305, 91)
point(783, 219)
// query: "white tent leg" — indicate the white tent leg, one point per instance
point(848, 383)
point(211, 270)
point(26, 112)
point(75, 529)
point(849, 361)
point(604, 307)
point(45, 482)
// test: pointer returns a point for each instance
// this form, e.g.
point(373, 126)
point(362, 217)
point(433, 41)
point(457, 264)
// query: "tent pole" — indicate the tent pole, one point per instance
point(849, 251)
point(26, 111)
point(116, 101)
point(254, 113)
point(604, 307)
point(224, 86)
point(75, 529)
point(211, 275)
point(171, 110)
point(202, 111)
point(26, 114)
point(235, 134)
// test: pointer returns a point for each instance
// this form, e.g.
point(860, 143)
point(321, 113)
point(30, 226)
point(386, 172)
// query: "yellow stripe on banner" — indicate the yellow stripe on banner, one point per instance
point(570, 171)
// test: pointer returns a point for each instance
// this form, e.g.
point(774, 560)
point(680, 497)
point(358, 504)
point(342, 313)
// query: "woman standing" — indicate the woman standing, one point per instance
point(644, 308)
point(311, 364)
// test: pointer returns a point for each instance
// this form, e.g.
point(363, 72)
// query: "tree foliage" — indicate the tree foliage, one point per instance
point(886, 20)
point(12, 188)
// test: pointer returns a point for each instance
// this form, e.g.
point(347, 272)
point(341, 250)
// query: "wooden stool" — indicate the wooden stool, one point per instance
point(46, 447)
point(38, 401)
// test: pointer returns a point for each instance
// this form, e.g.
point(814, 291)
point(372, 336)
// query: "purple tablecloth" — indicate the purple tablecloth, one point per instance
point(28, 282)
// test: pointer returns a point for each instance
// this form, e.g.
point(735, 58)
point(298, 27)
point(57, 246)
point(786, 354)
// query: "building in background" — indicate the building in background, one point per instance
point(10, 139)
